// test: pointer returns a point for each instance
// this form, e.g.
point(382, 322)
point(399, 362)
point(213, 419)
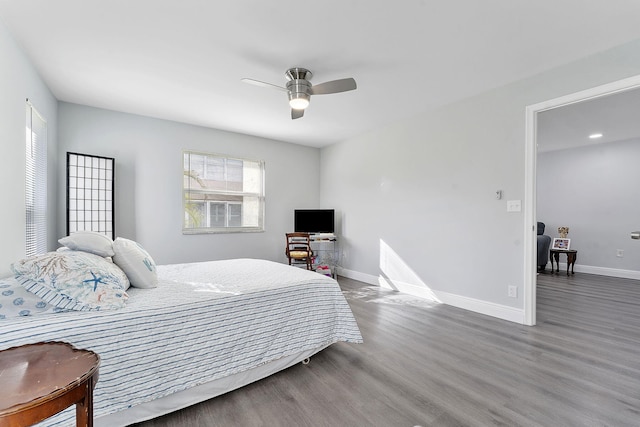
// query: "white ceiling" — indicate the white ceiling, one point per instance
point(183, 60)
point(616, 117)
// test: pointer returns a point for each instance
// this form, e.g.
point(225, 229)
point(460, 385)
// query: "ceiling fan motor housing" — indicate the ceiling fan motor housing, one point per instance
point(298, 87)
point(299, 90)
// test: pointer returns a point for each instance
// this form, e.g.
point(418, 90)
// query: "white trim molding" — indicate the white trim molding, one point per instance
point(503, 312)
point(356, 275)
point(499, 311)
point(600, 271)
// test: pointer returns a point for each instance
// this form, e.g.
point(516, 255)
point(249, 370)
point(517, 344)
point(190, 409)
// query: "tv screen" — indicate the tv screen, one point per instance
point(313, 220)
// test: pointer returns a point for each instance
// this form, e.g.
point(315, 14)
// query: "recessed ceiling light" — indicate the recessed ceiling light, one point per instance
point(595, 136)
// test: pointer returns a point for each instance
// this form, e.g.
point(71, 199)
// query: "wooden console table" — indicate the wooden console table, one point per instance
point(572, 254)
point(40, 380)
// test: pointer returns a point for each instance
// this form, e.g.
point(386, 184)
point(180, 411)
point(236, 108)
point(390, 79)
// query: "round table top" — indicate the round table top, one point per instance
point(35, 373)
point(563, 250)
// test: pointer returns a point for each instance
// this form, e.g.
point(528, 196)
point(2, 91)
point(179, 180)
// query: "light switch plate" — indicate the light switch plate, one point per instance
point(514, 205)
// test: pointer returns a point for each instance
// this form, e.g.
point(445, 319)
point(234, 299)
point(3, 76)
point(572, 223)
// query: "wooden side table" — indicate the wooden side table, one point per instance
point(572, 254)
point(40, 380)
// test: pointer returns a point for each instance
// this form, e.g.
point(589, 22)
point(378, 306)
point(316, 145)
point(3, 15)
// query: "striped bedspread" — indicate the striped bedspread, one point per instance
point(203, 322)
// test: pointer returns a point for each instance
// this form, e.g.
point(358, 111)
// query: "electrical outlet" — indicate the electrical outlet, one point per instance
point(513, 291)
point(620, 253)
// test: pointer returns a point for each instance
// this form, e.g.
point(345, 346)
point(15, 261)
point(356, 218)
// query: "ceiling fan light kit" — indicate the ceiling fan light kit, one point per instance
point(298, 101)
point(299, 89)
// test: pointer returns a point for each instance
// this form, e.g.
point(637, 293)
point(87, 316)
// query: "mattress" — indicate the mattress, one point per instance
point(204, 322)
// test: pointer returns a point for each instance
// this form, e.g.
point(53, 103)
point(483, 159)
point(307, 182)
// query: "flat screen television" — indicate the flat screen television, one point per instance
point(314, 220)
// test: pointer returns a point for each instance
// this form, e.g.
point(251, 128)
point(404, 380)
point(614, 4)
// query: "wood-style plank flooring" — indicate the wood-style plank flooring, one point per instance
point(434, 365)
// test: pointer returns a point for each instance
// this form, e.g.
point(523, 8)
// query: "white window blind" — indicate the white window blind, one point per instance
point(222, 194)
point(36, 182)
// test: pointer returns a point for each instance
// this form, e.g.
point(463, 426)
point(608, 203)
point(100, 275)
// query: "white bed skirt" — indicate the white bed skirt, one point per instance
point(200, 393)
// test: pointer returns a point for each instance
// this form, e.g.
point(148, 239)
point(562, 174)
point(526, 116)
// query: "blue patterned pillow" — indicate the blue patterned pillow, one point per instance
point(16, 301)
point(74, 280)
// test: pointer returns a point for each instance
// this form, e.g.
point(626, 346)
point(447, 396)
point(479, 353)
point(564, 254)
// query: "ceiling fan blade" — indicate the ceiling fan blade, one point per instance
point(296, 114)
point(334, 86)
point(263, 84)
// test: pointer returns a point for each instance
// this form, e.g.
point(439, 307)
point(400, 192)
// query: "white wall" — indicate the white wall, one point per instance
point(19, 81)
point(594, 191)
point(418, 198)
point(149, 175)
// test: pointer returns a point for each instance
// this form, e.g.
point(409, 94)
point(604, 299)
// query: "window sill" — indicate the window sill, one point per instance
point(222, 230)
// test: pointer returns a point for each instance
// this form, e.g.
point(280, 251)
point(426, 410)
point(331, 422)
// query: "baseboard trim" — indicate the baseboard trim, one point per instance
point(602, 271)
point(499, 311)
point(356, 275)
point(504, 312)
point(410, 289)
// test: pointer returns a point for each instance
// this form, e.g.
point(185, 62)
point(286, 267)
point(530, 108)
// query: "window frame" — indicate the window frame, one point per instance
point(36, 181)
point(226, 196)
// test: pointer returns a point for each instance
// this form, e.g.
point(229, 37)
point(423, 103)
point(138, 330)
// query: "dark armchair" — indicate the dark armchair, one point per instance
point(544, 242)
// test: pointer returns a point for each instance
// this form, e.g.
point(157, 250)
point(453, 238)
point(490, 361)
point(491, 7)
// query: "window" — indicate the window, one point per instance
point(36, 182)
point(222, 194)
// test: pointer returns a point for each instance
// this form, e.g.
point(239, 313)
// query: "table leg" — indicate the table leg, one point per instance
point(557, 258)
point(571, 261)
point(84, 408)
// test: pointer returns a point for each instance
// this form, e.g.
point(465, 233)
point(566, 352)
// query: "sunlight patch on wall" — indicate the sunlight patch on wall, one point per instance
point(397, 275)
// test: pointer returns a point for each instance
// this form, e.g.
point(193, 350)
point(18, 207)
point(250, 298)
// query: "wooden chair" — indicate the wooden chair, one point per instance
point(299, 249)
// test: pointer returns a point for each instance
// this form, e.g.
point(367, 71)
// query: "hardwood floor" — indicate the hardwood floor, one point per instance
point(434, 365)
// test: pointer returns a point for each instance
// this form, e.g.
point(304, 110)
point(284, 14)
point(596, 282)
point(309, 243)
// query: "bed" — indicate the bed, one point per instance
point(206, 328)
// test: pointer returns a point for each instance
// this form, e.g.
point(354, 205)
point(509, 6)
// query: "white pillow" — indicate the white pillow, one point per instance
point(138, 265)
point(73, 280)
point(66, 249)
point(89, 241)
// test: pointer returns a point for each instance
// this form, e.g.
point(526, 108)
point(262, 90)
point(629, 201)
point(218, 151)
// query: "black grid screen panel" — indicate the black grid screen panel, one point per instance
point(90, 194)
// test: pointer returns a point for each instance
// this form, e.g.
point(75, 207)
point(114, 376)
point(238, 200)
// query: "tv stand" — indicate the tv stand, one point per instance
point(323, 237)
point(326, 250)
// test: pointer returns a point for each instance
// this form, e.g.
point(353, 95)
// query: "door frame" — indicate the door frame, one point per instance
point(531, 152)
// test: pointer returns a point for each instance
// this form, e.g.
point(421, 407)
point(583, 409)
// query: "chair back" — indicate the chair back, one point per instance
point(299, 249)
point(298, 242)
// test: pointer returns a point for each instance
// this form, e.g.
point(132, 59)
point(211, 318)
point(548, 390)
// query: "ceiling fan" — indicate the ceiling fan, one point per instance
point(300, 89)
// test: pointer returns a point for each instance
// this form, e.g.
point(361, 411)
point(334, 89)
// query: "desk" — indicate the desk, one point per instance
point(40, 380)
point(572, 254)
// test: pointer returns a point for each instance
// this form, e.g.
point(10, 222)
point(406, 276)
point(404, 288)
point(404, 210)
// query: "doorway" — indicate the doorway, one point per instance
point(531, 129)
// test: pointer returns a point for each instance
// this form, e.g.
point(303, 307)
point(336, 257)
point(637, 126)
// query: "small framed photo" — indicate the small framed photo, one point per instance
point(561, 243)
